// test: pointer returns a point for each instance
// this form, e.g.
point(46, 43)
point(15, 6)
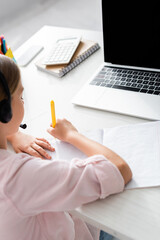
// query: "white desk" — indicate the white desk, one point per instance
point(133, 214)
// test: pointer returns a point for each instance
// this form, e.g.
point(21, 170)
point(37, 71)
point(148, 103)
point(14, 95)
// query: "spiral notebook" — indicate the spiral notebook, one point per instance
point(84, 50)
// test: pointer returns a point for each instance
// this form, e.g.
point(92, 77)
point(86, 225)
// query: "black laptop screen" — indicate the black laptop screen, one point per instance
point(131, 34)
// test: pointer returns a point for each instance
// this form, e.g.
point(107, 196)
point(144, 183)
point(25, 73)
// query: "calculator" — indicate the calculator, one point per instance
point(62, 51)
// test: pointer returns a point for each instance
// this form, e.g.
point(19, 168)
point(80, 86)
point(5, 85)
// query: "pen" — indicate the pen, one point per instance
point(1, 43)
point(53, 114)
point(4, 46)
point(1, 38)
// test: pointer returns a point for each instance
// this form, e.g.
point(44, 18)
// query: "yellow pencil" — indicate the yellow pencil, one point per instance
point(53, 114)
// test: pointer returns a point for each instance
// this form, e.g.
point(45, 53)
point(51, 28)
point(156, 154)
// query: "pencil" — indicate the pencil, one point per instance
point(53, 114)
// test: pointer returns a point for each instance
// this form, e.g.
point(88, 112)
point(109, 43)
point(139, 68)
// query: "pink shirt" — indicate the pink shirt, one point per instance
point(36, 194)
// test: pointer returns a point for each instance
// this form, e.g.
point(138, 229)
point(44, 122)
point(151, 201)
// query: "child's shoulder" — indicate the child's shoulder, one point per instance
point(7, 154)
point(12, 163)
point(9, 158)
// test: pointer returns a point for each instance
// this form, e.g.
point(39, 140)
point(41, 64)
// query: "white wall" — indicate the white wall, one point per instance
point(10, 8)
point(20, 19)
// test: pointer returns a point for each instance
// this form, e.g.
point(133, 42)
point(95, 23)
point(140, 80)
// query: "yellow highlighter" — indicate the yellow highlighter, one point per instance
point(53, 114)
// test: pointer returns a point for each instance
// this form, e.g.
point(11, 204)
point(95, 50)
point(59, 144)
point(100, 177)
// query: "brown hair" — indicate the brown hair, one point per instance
point(11, 73)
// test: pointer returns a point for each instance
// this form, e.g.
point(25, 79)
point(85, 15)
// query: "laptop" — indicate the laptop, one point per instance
point(128, 81)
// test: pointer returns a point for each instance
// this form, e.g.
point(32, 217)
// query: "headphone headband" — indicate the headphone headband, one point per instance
point(5, 85)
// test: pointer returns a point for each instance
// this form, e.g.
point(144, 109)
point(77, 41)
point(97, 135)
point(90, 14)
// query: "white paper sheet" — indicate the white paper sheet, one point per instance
point(138, 145)
point(65, 151)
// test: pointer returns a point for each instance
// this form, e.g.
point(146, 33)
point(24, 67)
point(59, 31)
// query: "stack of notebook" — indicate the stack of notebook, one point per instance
point(84, 50)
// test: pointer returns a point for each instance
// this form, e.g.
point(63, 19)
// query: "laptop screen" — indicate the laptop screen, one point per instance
point(131, 33)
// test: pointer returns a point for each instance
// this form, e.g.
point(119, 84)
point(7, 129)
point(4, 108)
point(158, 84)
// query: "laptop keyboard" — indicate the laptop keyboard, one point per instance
point(128, 79)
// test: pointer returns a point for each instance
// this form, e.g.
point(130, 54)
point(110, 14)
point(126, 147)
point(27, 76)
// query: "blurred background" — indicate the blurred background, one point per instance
point(20, 19)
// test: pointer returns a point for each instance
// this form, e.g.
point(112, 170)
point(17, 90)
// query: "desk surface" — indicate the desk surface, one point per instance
point(133, 214)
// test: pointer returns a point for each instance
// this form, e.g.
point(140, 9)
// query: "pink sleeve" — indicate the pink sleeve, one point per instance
point(37, 185)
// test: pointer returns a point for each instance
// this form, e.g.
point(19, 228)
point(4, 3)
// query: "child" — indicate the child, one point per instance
point(35, 195)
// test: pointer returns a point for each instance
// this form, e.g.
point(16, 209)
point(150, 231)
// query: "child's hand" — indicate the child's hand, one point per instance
point(62, 130)
point(22, 142)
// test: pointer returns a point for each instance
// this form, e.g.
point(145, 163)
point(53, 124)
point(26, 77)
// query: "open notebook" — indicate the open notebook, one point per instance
point(138, 145)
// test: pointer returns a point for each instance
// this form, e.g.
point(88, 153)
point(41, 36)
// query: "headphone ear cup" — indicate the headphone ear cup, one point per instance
point(5, 111)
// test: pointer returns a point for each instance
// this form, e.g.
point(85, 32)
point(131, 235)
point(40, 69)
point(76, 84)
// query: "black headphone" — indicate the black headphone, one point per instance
point(5, 104)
